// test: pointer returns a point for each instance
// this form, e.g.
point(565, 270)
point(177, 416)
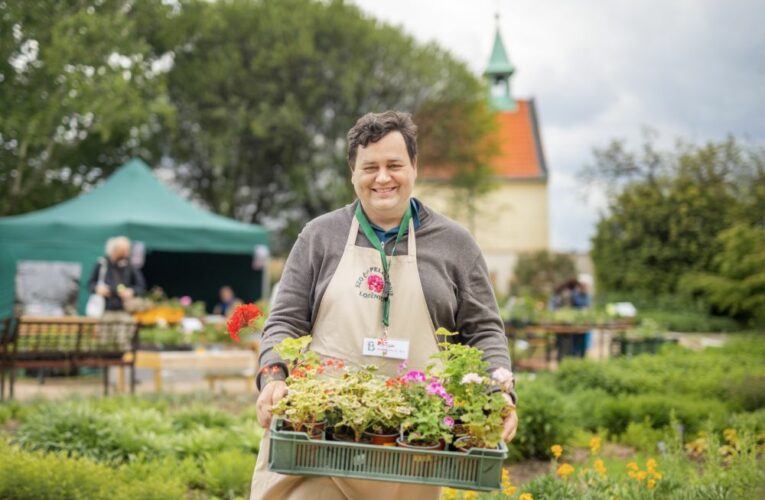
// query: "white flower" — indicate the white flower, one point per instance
point(472, 378)
point(504, 378)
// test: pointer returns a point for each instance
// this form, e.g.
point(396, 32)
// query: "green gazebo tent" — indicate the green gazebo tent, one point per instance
point(188, 249)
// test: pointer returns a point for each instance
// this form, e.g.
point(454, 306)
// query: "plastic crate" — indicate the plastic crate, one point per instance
point(294, 453)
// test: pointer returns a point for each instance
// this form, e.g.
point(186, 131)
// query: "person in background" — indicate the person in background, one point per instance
point(121, 281)
point(228, 301)
point(571, 294)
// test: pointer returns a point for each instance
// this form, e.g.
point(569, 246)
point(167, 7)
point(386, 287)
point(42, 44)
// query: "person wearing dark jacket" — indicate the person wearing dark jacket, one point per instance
point(121, 281)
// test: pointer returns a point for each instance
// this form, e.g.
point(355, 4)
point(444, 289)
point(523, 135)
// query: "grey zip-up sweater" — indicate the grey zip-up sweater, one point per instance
point(452, 270)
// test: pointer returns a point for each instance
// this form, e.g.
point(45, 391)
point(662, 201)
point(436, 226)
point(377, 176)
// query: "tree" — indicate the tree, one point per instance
point(736, 286)
point(81, 91)
point(667, 210)
point(266, 92)
point(538, 273)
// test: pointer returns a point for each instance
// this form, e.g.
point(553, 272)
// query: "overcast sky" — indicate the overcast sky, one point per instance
point(601, 69)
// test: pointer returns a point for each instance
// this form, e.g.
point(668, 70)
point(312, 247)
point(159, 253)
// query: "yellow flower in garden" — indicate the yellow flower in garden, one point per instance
point(526, 496)
point(656, 474)
point(651, 464)
point(470, 495)
point(565, 470)
point(651, 484)
point(595, 444)
point(641, 475)
point(505, 475)
point(632, 474)
point(509, 490)
point(448, 494)
point(731, 435)
point(600, 467)
point(557, 450)
point(633, 466)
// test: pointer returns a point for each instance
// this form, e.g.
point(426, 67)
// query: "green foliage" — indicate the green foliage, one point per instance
point(157, 447)
point(227, 474)
point(544, 417)
point(689, 320)
point(267, 91)
point(81, 95)
point(538, 273)
point(111, 431)
point(668, 209)
point(643, 436)
point(33, 476)
point(736, 283)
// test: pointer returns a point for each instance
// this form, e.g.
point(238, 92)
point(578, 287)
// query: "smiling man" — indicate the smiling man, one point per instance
point(385, 268)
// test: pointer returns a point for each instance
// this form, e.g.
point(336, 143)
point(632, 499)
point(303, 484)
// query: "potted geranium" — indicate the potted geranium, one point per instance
point(429, 426)
point(484, 407)
point(307, 401)
point(350, 416)
point(387, 407)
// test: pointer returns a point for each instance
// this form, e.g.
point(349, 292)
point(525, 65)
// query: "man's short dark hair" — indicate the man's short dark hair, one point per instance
point(374, 126)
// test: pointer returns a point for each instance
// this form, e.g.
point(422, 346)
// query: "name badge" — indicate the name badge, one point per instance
point(385, 348)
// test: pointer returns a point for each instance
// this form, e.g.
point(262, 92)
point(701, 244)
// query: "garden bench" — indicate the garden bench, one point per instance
point(68, 342)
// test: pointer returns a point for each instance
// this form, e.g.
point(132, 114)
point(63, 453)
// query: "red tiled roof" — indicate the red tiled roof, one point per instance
point(519, 144)
point(520, 153)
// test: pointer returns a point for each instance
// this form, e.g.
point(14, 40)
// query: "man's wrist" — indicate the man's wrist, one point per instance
point(271, 373)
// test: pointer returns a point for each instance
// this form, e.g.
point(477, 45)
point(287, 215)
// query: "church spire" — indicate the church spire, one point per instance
point(498, 73)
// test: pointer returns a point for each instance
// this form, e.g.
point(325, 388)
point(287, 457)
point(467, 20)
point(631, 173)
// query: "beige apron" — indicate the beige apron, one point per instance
point(349, 311)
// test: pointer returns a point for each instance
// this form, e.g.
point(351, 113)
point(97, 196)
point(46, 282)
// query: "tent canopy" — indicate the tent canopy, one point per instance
point(132, 202)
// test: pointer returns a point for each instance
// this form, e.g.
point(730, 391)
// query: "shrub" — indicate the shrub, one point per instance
point(227, 474)
point(544, 419)
point(34, 476)
point(204, 416)
point(749, 393)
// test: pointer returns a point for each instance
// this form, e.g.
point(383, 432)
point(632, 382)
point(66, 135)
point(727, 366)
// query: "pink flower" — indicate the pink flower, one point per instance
point(437, 389)
point(449, 422)
point(375, 283)
point(472, 378)
point(414, 376)
point(504, 378)
point(185, 300)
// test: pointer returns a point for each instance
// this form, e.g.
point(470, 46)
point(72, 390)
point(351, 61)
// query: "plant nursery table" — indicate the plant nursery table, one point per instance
point(240, 363)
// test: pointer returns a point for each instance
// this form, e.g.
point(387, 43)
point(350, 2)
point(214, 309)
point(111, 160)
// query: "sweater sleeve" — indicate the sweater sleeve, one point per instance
point(290, 316)
point(478, 318)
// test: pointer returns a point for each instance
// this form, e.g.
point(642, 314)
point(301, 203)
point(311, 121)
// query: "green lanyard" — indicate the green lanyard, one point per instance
point(375, 240)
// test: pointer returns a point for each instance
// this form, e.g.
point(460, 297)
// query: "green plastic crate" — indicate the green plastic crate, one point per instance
point(293, 453)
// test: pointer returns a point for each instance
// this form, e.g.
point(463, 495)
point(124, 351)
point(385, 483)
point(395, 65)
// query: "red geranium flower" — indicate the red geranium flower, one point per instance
point(242, 317)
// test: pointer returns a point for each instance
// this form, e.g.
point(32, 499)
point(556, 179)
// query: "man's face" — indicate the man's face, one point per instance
point(383, 178)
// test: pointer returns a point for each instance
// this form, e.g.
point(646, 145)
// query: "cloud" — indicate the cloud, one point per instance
point(601, 69)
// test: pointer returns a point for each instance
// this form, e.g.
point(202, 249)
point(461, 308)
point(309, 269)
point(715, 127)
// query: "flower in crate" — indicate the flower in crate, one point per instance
point(415, 376)
point(504, 378)
point(472, 378)
point(242, 317)
point(428, 422)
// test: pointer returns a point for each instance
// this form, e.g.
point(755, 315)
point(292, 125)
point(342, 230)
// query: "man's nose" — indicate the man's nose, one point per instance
point(383, 175)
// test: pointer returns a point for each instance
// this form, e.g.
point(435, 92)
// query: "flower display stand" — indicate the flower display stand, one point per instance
point(294, 453)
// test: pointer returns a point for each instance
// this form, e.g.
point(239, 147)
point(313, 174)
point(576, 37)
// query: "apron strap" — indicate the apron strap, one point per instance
point(412, 247)
point(353, 232)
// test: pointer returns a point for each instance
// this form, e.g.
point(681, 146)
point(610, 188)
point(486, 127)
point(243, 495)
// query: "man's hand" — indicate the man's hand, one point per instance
point(271, 394)
point(510, 425)
point(103, 290)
